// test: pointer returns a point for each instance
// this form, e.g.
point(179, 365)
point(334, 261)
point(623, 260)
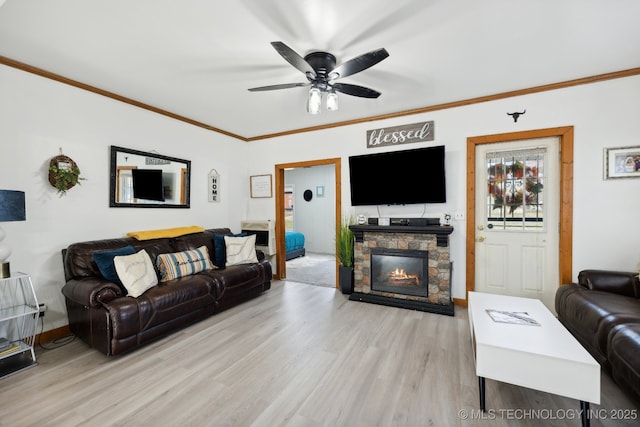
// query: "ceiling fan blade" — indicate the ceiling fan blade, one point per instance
point(294, 59)
point(359, 63)
point(355, 90)
point(276, 87)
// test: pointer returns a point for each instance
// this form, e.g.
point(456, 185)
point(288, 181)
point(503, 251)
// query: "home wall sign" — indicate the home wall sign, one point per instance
point(405, 134)
point(213, 184)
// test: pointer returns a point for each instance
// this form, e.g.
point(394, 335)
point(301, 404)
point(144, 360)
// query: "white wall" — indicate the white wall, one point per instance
point(38, 116)
point(604, 114)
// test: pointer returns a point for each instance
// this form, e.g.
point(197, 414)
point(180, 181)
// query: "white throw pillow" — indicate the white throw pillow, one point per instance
point(136, 272)
point(240, 250)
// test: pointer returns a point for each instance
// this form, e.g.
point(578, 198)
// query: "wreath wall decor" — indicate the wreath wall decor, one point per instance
point(64, 174)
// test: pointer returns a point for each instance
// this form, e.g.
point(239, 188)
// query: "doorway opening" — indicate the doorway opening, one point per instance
point(282, 209)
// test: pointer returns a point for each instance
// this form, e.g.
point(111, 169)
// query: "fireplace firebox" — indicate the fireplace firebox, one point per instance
point(400, 271)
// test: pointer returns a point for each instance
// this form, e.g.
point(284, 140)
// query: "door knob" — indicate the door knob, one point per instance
point(480, 239)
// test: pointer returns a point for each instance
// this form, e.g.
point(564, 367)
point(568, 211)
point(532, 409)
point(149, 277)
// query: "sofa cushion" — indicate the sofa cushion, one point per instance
point(240, 250)
point(189, 242)
point(178, 264)
point(136, 272)
point(104, 261)
point(232, 283)
point(161, 307)
point(79, 263)
point(220, 248)
point(624, 356)
point(615, 282)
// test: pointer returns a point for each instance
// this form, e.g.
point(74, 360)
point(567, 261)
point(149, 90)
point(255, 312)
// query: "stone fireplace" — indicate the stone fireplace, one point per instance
point(403, 266)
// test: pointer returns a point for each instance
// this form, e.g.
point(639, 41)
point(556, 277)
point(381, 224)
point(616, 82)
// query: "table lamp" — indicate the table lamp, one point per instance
point(12, 208)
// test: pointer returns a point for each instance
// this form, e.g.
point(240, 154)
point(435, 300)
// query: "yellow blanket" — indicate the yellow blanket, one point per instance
point(165, 232)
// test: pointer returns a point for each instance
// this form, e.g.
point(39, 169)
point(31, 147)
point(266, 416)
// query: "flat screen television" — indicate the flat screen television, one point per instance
point(398, 177)
point(147, 184)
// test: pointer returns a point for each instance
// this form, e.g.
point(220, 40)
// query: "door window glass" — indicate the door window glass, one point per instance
point(515, 190)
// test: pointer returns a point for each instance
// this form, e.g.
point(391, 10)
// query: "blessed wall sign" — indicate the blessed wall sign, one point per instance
point(406, 134)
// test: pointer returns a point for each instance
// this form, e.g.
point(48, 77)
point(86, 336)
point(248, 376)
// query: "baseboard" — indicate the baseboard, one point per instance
point(53, 334)
point(460, 302)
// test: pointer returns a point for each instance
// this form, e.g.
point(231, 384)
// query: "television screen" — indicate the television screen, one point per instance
point(398, 177)
point(147, 184)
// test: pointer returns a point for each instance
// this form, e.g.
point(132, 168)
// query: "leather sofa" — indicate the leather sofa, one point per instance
point(102, 316)
point(603, 312)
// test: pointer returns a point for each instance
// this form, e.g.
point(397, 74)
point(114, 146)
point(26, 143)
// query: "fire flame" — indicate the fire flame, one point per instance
point(400, 273)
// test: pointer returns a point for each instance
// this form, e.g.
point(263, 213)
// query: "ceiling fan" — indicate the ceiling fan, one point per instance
point(321, 72)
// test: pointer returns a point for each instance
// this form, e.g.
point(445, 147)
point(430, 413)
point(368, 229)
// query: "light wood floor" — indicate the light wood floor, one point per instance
point(299, 355)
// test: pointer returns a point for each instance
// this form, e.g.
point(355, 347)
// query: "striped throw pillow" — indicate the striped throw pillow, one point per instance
point(179, 264)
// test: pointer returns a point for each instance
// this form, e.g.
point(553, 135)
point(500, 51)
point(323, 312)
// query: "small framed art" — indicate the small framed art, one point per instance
point(622, 162)
point(260, 186)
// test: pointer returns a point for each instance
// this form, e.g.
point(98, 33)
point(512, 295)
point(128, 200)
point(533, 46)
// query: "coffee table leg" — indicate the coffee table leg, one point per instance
point(584, 408)
point(481, 388)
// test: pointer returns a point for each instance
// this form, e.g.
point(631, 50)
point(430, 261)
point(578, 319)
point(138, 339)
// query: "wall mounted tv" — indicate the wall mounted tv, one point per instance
point(147, 184)
point(398, 177)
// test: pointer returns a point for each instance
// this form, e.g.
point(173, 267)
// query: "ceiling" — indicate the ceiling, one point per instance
point(196, 58)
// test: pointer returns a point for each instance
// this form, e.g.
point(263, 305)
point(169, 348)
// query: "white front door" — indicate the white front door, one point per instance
point(517, 218)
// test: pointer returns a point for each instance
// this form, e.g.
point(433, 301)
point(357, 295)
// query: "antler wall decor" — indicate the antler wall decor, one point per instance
point(516, 115)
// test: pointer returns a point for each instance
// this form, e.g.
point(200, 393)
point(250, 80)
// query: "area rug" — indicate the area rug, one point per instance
point(313, 269)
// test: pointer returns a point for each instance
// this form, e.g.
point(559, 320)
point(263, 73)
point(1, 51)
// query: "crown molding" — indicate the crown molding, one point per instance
point(487, 98)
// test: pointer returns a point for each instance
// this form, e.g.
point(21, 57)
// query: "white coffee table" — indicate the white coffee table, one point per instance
point(546, 357)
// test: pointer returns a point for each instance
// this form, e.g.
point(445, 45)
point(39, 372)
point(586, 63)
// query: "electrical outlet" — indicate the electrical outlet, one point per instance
point(42, 307)
point(459, 216)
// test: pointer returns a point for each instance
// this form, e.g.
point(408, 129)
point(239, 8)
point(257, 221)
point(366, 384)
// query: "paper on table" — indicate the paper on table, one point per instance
point(515, 317)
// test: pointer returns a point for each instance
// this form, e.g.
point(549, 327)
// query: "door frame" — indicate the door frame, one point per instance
point(565, 240)
point(281, 261)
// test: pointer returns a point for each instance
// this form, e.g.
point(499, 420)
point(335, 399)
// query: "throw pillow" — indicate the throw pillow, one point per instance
point(104, 261)
point(220, 248)
point(241, 250)
point(186, 263)
point(136, 272)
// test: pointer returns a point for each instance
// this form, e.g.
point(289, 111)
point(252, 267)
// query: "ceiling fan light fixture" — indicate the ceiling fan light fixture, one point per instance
point(332, 101)
point(314, 102)
point(321, 70)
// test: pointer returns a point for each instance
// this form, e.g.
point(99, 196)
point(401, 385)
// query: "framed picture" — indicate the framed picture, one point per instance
point(260, 186)
point(622, 162)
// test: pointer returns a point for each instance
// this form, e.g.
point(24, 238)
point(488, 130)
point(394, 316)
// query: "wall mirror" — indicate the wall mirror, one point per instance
point(148, 180)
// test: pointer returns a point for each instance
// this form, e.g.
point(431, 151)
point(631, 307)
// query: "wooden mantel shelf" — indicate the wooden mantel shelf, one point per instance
point(442, 233)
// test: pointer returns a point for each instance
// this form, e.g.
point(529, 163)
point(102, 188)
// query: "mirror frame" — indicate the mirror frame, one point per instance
point(114, 173)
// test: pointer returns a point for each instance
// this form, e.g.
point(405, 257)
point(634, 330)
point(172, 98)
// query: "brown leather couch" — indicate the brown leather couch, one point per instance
point(112, 323)
point(603, 312)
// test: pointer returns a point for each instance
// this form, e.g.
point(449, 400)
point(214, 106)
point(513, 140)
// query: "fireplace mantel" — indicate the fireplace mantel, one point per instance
point(442, 233)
